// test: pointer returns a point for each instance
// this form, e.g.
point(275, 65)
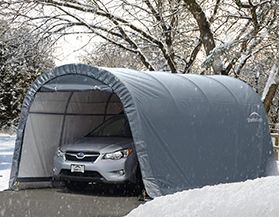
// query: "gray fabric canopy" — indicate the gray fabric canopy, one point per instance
point(188, 130)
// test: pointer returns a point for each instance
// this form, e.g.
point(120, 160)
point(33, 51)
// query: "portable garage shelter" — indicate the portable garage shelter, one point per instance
point(188, 130)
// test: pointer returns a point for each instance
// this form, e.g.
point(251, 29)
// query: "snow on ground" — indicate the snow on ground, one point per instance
point(257, 198)
point(6, 154)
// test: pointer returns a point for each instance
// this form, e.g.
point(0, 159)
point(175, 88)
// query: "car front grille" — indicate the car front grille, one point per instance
point(82, 156)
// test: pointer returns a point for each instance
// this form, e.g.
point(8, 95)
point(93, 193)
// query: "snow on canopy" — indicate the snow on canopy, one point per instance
point(188, 130)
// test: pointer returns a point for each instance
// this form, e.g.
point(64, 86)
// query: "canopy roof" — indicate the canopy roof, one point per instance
point(188, 130)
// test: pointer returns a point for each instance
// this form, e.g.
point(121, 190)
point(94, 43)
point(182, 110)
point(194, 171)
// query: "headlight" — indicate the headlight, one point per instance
point(119, 154)
point(60, 153)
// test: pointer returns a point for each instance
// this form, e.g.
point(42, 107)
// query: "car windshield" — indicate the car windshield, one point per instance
point(113, 127)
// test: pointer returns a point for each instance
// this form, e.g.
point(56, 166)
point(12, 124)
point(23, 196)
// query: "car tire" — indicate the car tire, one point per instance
point(76, 185)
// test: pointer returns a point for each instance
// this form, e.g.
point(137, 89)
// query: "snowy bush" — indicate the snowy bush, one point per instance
point(23, 56)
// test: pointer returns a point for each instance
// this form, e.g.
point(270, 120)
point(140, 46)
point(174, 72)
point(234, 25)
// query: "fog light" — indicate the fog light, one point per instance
point(121, 172)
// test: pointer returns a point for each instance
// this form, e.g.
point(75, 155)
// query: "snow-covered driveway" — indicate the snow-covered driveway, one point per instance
point(6, 154)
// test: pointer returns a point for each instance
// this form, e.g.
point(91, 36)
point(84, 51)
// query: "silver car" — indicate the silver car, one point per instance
point(105, 155)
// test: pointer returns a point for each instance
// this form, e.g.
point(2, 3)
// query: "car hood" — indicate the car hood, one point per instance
point(98, 144)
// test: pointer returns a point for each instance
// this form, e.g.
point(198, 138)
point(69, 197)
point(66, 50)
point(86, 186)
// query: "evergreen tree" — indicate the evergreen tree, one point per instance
point(23, 56)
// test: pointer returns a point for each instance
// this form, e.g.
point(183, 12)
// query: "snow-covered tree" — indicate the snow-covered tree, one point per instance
point(229, 37)
point(23, 56)
point(109, 55)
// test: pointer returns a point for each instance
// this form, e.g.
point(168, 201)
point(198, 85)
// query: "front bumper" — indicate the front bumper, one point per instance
point(101, 170)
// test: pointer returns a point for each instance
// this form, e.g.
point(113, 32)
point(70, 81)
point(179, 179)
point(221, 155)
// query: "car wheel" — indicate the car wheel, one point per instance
point(76, 185)
point(136, 187)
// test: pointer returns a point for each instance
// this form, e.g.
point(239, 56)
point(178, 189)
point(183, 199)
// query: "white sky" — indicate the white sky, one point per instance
point(69, 48)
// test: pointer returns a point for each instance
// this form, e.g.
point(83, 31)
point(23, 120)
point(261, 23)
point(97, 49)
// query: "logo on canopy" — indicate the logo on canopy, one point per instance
point(254, 117)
